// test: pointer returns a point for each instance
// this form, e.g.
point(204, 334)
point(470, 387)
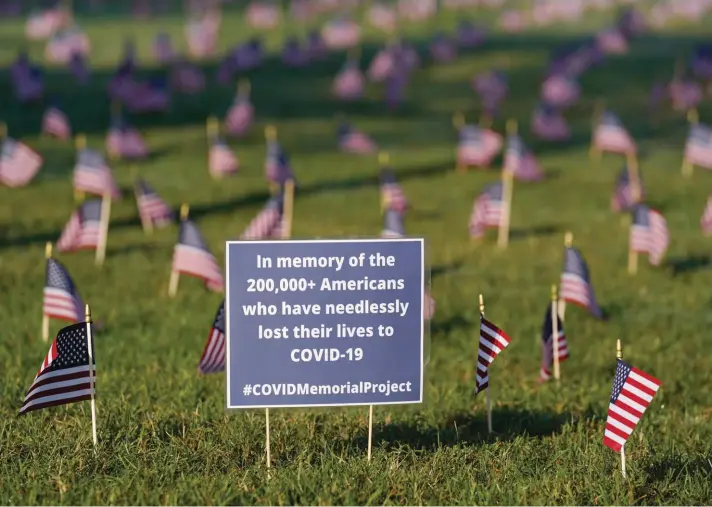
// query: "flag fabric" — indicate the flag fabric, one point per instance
point(382, 16)
point(187, 78)
point(83, 230)
point(64, 44)
point(267, 224)
point(575, 286)
point(626, 195)
point(417, 10)
point(706, 220)
point(685, 94)
point(649, 233)
point(293, 55)
point(549, 125)
point(341, 33)
point(393, 224)
point(520, 161)
point(547, 344)
point(442, 48)
point(125, 141)
point(477, 146)
point(492, 342)
point(93, 176)
point(698, 148)
point(66, 375)
point(487, 210)
point(491, 86)
point(18, 163)
point(42, 24)
point(392, 195)
point(240, 115)
point(316, 47)
point(560, 91)
point(610, 135)
point(221, 160)
point(201, 36)
point(612, 41)
point(513, 21)
point(151, 208)
point(148, 97)
point(381, 66)
point(213, 358)
point(61, 297)
point(349, 82)
point(191, 257)
point(163, 48)
point(352, 140)
point(632, 392)
point(277, 167)
point(263, 15)
point(79, 68)
point(28, 83)
point(469, 36)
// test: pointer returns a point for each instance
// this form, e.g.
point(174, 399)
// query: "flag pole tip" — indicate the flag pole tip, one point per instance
point(512, 127)
point(48, 250)
point(184, 208)
point(568, 239)
point(87, 313)
point(383, 157)
point(553, 293)
point(482, 304)
point(270, 132)
point(619, 349)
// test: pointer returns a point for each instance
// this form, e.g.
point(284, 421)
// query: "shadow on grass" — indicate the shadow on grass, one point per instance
point(466, 429)
point(538, 231)
point(689, 264)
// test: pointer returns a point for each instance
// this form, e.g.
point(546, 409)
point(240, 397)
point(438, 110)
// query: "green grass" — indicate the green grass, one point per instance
point(164, 435)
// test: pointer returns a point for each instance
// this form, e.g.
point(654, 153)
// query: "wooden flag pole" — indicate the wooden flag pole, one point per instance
point(267, 440)
point(146, 222)
point(90, 346)
point(594, 153)
point(632, 256)
point(458, 121)
point(212, 130)
point(504, 219)
point(271, 135)
point(693, 117)
point(104, 231)
point(288, 210)
point(619, 355)
point(568, 243)
point(634, 177)
point(555, 330)
point(175, 275)
point(370, 431)
point(81, 143)
point(45, 317)
point(383, 160)
point(489, 383)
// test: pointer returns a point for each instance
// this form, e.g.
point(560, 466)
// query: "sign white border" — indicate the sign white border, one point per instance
point(301, 241)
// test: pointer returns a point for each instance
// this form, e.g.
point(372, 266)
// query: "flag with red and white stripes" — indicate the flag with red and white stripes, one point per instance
point(492, 342)
point(61, 297)
point(392, 195)
point(649, 233)
point(93, 176)
point(520, 161)
point(706, 219)
point(268, 222)
point(560, 90)
point(341, 33)
point(633, 391)
point(18, 163)
point(67, 374)
point(263, 14)
point(213, 358)
point(56, 124)
point(487, 210)
point(240, 115)
point(549, 125)
point(393, 226)
point(547, 344)
point(349, 83)
point(163, 48)
point(352, 140)
point(191, 257)
point(610, 135)
point(83, 230)
point(221, 160)
point(698, 148)
point(187, 78)
point(477, 146)
point(575, 286)
point(442, 48)
point(151, 208)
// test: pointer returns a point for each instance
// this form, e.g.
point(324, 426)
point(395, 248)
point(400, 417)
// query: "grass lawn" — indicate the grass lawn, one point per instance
point(164, 435)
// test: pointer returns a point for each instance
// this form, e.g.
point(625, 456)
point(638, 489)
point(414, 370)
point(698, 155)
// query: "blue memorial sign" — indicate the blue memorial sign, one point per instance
point(324, 322)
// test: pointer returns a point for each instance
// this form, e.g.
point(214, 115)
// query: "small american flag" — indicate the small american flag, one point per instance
point(698, 148)
point(213, 358)
point(632, 392)
point(151, 208)
point(417, 10)
point(560, 90)
point(349, 83)
point(148, 97)
point(547, 348)
point(83, 230)
point(187, 78)
point(382, 65)
point(263, 14)
point(316, 46)
point(79, 68)
point(491, 86)
point(382, 16)
point(352, 140)
point(649, 233)
point(610, 135)
point(685, 94)
point(443, 49)
point(392, 195)
point(549, 125)
point(64, 44)
point(626, 194)
point(221, 160)
point(201, 38)
point(393, 224)
point(293, 55)
point(191, 257)
point(341, 33)
point(277, 167)
point(612, 41)
point(469, 35)
point(521, 162)
point(575, 286)
point(492, 342)
point(61, 298)
point(163, 48)
point(477, 146)
point(44, 23)
point(268, 222)
point(124, 140)
point(28, 84)
point(18, 163)
point(487, 210)
point(513, 21)
point(67, 374)
point(240, 115)
point(93, 175)
point(706, 220)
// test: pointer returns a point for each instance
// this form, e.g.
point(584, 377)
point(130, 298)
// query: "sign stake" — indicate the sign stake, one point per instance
point(288, 209)
point(267, 439)
point(489, 398)
point(90, 345)
point(370, 431)
point(175, 275)
point(104, 231)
